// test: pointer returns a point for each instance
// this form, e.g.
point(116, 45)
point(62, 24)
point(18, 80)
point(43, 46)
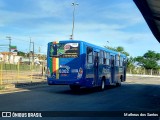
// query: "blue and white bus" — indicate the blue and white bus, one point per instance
point(80, 64)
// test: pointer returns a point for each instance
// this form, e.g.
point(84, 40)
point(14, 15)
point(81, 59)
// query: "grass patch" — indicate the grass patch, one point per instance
point(2, 87)
point(22, 67)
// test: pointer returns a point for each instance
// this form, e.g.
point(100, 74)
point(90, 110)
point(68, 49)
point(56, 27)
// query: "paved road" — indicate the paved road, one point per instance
point(130, 96)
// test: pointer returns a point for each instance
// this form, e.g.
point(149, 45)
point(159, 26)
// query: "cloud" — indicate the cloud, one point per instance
point(94, 33)
point(36, 13)
point(124, 13)
point(52, 8)
point(2, 4)
point(50, 20)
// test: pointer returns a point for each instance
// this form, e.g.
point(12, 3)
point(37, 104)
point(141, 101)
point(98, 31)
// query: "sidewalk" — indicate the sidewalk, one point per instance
point(143, 79)
point(140, 75)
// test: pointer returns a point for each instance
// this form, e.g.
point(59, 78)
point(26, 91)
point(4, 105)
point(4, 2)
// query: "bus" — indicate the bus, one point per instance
point(80, 64)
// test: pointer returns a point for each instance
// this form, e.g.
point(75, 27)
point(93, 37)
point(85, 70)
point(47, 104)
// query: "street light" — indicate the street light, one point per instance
point(74, 5)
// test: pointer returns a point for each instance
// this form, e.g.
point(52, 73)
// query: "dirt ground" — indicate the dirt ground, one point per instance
point(143, 79)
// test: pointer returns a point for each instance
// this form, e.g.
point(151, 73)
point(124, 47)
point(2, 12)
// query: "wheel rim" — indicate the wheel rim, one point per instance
point(102, 85)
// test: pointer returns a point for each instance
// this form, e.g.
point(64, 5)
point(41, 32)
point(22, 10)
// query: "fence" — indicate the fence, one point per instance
point(143, 71)
point(20, 72)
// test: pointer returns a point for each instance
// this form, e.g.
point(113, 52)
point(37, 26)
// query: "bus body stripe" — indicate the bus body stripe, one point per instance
point(50, 65)
point(55, 66)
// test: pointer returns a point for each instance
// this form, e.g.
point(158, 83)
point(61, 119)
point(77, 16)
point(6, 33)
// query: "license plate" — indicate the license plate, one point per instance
point(63, 71)
point(63, 74)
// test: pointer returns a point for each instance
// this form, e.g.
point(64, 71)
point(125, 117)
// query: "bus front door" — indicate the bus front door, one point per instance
point(112, 69)
point(96, 63)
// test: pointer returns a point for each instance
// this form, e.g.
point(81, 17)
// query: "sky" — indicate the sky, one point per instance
point(102, 22)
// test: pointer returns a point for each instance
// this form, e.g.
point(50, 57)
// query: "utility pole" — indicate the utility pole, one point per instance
point(9, 38)
point(33, 54)
point(32, 51)
point(74, 6)
point(29, 50)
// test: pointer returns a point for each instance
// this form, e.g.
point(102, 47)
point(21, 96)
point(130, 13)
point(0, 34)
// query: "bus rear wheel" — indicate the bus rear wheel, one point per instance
point(118, 84)
point(74, 87)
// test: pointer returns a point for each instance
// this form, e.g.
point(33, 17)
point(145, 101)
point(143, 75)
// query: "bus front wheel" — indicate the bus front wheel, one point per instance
point(74, 87)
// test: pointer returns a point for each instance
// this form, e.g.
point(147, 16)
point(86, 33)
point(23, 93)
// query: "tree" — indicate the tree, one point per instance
point(130, 63)
point(149, 60)
point(118, 49)
point(20, 53)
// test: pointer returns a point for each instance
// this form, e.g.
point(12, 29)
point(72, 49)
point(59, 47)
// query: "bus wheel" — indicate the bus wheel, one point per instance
point(121, 78)
point(102, 85)
point(74, 87)
point(118, 84)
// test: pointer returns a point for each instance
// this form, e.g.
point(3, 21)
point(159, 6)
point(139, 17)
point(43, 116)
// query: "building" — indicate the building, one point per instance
point(9, 57)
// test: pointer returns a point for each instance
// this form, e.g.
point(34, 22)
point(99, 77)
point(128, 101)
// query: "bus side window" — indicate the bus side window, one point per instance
point(121, 61)
point(101, 57)
point(124, 62)
point(117, 60)
point(108, 59)
point(89, 55)
point(51, 51)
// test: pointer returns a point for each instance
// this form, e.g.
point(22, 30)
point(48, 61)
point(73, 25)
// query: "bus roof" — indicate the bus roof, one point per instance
point(92, 45)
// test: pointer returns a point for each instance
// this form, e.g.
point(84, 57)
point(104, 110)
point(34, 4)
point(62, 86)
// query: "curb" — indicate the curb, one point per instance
point(19, 87)
point(138, 75)
point(31, 84)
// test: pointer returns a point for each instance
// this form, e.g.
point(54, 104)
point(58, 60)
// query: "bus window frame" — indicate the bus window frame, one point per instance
point(121, 61)
point(101, 61)
point(117, 60)
point(88, 55)
point(108, 59)
point(105, 58)
point(124, 61)
point(55, 47)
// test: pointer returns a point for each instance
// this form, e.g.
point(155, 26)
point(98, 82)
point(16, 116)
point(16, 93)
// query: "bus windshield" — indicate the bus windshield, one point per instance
point(64, 50)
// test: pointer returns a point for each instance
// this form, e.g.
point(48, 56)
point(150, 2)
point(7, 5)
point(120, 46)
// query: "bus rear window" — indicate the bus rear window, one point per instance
point(64, 50)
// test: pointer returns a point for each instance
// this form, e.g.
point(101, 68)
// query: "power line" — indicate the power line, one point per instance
point(22, 40)
point(17, 42)
point(4, 45)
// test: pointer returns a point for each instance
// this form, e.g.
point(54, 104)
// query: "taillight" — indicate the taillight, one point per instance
point(80, 73)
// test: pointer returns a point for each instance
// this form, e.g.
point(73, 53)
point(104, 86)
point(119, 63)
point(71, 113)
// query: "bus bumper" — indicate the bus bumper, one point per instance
point(65, 82)
point(80, 82)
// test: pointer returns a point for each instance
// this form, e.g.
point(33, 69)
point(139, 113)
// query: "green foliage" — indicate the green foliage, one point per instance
point(149, 60)
point(20, 53)
point(2, 87)
point(22, 67)
point(118, 49)
point(130, 63)
point(111, 48)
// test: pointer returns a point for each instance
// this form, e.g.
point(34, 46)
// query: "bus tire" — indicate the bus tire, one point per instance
point(121, 78)
point(74, 87)
point(118, 84)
